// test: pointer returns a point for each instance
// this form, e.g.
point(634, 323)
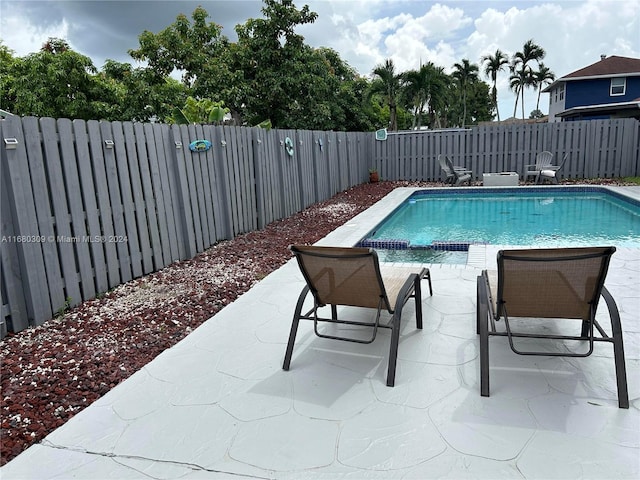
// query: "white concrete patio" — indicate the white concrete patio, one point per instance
point(218, 404)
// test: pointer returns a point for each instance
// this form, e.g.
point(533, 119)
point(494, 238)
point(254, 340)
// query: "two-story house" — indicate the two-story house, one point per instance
point(606, 89)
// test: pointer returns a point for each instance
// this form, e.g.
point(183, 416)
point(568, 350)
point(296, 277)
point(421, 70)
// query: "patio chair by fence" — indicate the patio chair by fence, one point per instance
point(550, 172)
point(543, 161)
point(542, 284)
point(338, 276)
point(455, 175)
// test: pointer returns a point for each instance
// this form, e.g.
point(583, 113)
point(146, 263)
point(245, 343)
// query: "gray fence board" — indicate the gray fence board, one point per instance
point(137, 224)
point(91, 211)
point(155, 196)
point(96, 148)
point(147, 211)
point(166, 147)
point(187, 240)
point(320, 170)
point(73, 189)
point(243, 159)
point(57, 190)
point(14, 309)
point(205, 165)
point(223, 188)
point(194, 169)
point(265, 178)
point(45, 217)
point(113, 176)
point(239, 178)
point(30, 255)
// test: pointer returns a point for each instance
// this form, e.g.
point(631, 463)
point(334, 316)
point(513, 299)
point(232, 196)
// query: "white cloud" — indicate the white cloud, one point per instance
point(23, 37)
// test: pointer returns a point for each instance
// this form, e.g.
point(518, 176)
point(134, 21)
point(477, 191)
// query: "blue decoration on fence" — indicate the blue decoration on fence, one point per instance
point(200, 145)
point(288, 145)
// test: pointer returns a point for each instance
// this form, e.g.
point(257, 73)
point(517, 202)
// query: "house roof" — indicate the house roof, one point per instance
point(613, 66)
point(609, 66)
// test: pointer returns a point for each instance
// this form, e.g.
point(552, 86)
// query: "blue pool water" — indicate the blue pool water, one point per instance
point(433, 223)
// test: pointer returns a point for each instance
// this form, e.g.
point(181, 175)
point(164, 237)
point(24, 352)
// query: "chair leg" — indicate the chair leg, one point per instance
point(618, 349)
point(294, 328)
point(585, 330)
point(427, 275)
point(483, 330)
point(393, 349)
point(417, 295)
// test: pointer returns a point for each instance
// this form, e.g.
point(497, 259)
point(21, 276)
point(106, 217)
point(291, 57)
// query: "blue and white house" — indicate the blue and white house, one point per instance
point(606, 89)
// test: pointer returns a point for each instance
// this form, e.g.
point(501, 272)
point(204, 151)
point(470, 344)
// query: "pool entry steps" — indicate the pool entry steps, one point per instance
point(440, 245)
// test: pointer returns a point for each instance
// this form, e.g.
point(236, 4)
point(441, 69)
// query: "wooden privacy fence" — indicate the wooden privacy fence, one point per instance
point(595, 149)
point(86, 206)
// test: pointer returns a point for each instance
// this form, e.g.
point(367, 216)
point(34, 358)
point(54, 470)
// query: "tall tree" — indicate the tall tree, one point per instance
point(542, 77)
point(465, 73)
point(493, 65)
point(519, 79)
point(285, 78)
point(140, 94)
point(7, 88)
point(387, 84)
point(424, 89)
point(198, 49)
point(57, 82)
point(521, 70)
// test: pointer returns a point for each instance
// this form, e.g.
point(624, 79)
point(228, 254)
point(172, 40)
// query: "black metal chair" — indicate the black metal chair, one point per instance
point(353, 277)
point(562, 283)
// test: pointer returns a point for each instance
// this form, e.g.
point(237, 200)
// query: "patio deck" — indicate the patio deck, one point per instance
point(218, 404)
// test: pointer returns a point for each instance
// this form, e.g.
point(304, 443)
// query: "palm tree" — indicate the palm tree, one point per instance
point(519, 79)
point(542, 77)
point(465, 73)
point(423, 89)
point(493, 65)
point(522, 60)
point(387, 84)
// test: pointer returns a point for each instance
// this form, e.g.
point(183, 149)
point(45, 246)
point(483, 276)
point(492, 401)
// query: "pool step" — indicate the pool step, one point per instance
point(384, 244)
point(441, 245)
point(454, 246)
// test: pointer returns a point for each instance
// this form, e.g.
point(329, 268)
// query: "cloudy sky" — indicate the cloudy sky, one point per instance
point(574, 33)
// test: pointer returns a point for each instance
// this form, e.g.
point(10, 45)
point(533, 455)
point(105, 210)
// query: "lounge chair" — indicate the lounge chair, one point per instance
point(543, 161)
point(536, 284)
point(550, 172)
point(455, 175)
point(353, 277)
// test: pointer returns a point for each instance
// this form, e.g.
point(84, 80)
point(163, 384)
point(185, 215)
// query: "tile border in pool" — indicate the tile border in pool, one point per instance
point(358, 227)
point(559, 188)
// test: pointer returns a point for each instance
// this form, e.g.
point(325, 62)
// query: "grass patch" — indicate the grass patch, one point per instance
point(635, 180)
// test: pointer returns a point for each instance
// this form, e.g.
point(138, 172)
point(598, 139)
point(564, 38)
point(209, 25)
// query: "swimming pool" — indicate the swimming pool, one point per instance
point(431, 224)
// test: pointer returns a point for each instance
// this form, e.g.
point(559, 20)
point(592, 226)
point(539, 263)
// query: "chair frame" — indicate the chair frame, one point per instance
point(455, 175)
point(487, 316)
point(545, 173)
point(410, 289)
point(543, 161)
